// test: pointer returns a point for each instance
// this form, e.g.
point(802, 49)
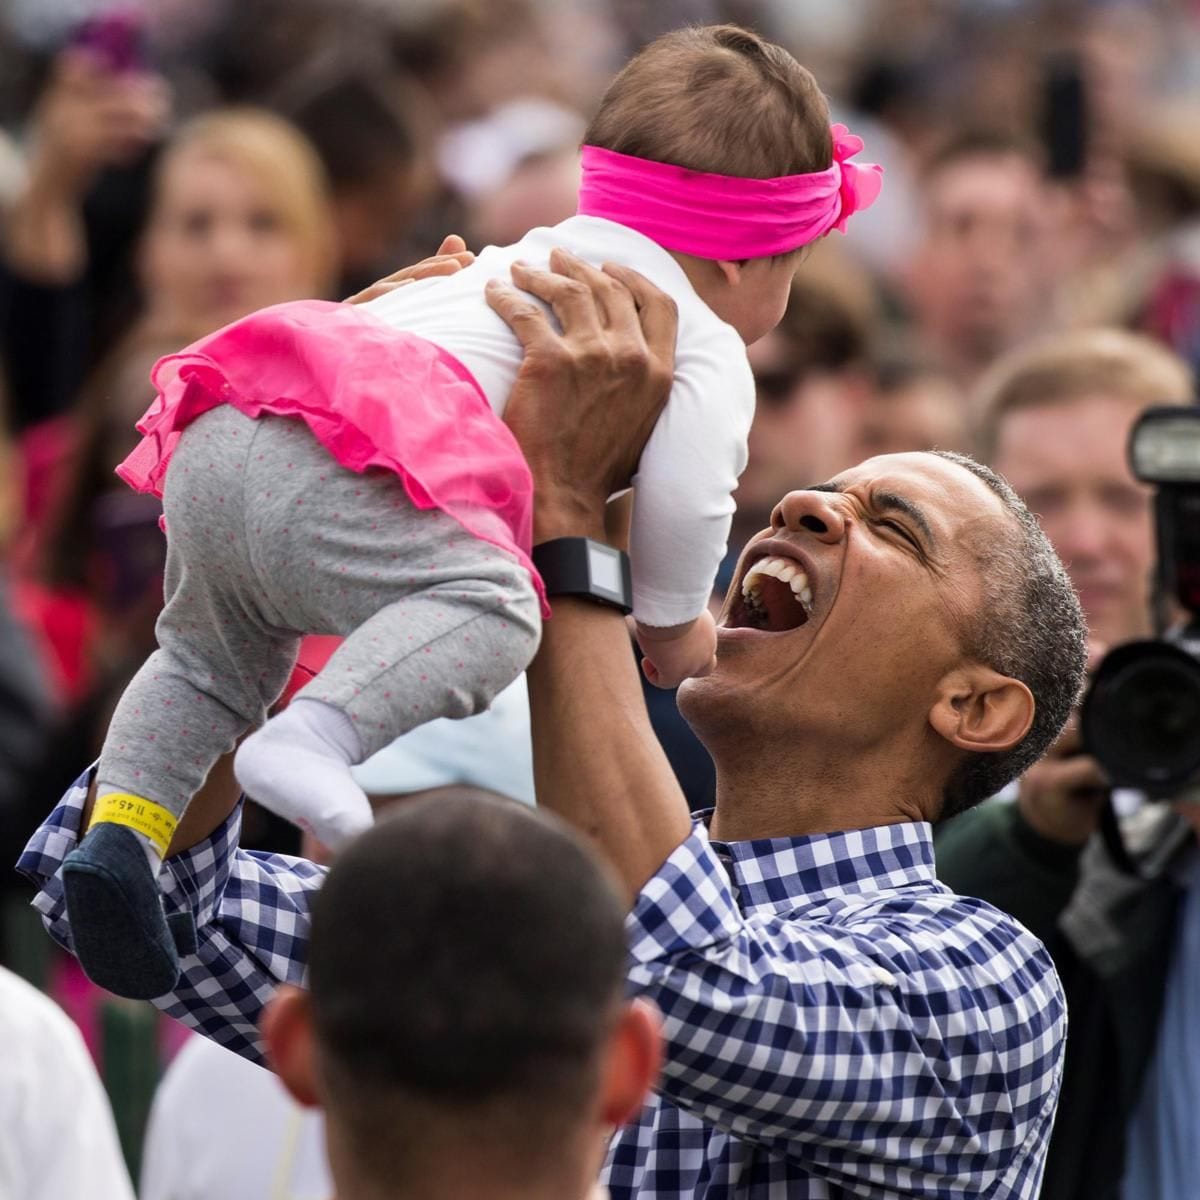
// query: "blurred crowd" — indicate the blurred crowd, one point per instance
point(168, 167)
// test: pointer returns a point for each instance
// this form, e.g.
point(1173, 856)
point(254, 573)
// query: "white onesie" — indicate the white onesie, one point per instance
point(692, 461)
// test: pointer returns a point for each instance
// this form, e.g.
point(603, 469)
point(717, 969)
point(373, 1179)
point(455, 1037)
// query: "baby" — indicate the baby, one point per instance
point(345, 470)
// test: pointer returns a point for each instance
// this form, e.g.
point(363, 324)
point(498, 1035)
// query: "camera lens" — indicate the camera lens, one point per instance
point(1141, 717)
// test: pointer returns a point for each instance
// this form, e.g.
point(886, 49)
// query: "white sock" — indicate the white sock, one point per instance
point(153, 853)
point(298, 766)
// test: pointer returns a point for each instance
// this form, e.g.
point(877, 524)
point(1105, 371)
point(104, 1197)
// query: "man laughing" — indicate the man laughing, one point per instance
point(899, 643)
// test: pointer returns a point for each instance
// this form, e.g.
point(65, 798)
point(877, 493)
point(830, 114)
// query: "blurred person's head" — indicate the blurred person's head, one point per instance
point(517, 168)
point(1121, 46)
point(371, 132)
point(474, 56)
point(541, 191)
point(812, 379)
point(1055, 421)
point(978, 281)
point(456, 1037)
point(721, 100)
point(913, 405)
point(240, 219)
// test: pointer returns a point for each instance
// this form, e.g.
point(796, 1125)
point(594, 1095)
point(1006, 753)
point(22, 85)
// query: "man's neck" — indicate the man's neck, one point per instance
point(484, 1189)
point(764, 797)
point(464, 1176)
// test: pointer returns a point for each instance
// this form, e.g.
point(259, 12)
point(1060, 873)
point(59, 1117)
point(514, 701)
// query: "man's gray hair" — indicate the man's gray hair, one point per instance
point(1030, 627)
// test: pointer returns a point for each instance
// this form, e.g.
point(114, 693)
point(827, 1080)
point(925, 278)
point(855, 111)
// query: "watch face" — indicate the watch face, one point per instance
point(604, 571)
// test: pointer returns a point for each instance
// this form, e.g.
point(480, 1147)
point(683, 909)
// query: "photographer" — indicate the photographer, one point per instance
point(1056, 421)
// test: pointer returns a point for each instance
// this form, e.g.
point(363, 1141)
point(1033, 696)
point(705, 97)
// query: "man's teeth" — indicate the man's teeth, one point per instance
point(783, 569)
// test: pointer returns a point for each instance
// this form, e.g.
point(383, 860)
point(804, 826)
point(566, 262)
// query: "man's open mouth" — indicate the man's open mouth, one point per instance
point(775, 596)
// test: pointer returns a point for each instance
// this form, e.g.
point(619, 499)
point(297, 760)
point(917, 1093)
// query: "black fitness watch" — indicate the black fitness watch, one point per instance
point(578, 566)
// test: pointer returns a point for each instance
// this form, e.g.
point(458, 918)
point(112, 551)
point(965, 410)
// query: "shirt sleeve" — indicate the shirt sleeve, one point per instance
point(252, 914)
point(887, 1054)
point(683, 491)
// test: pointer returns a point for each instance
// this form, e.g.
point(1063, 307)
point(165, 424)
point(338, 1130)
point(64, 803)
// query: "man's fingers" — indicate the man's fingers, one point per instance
point(436, 264)
point(1065, 775)
point(1069, 742)
point(613, 301)
point(428, 269)
point(657, 312)
point(527, 321)
point(441, 265)
point(571, 300)
point(453, 244)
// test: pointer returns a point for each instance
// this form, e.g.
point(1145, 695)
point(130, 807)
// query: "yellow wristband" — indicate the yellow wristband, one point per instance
point(140, 814)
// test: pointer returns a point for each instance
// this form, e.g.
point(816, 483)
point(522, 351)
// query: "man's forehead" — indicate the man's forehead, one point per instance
point(945, 491)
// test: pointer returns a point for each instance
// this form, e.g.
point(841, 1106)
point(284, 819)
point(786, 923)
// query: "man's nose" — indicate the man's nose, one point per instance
point(819, 513)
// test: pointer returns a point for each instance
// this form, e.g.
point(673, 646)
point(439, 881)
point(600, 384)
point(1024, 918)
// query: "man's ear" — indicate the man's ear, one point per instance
point(288, 1034)
point(731, 270)
point(981, 710)
point(633, 1059)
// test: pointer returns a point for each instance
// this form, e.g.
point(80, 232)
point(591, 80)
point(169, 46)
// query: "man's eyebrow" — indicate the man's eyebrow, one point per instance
point(890, 502)
point(887, 502)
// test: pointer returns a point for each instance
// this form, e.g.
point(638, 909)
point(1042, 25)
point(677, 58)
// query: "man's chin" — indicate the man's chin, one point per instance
point(708, 702)
point(694, 697)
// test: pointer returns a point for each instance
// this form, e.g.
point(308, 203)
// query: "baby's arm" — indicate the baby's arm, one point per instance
point(678, 652)
point(683, 506)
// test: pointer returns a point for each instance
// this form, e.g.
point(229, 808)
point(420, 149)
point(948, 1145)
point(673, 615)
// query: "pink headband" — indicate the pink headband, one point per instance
point(723, 216)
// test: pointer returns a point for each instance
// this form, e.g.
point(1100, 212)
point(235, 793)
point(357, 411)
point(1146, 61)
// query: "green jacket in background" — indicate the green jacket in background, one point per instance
point(1110, 936)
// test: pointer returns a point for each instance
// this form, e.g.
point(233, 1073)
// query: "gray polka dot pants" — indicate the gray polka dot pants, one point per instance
point(268, 539)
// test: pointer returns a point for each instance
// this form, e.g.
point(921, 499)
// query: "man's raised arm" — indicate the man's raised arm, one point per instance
point(582, 408)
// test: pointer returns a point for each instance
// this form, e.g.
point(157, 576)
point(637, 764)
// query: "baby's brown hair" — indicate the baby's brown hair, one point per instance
point(720, 99)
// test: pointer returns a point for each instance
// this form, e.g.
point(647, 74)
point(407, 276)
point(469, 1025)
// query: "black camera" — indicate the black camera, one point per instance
point(1141, 715)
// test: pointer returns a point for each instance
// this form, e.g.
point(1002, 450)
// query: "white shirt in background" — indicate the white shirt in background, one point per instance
point(222, 1128)
point(57, 1135)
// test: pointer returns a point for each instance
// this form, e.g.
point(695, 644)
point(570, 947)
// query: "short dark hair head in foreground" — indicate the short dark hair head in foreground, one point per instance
point(468, 957)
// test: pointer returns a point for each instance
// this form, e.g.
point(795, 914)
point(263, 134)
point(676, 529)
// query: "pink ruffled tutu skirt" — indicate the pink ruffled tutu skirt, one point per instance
point(373, 396)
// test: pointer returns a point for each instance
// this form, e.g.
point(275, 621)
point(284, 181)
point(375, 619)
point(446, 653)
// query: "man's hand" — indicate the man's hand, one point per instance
point(1063, 794)
point(609, 373)
point(452, 255)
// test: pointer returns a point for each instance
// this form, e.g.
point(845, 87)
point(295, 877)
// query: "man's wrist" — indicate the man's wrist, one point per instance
point(565, 515)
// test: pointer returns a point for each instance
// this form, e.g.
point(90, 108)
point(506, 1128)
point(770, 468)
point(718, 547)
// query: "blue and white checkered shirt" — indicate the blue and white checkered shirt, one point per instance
point(838, 1023)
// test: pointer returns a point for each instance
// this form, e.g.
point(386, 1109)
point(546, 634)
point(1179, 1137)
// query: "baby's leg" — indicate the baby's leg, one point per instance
point(444, 651)
point(436, 623)
point(220, 663)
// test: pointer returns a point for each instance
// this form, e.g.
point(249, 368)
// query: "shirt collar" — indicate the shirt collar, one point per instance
point(779, 873)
